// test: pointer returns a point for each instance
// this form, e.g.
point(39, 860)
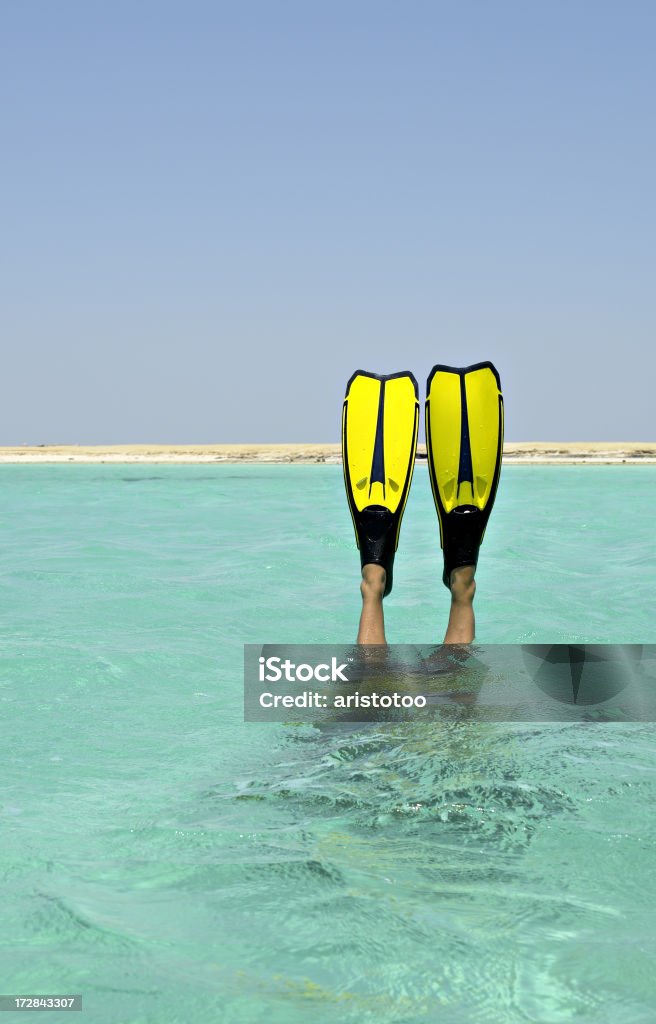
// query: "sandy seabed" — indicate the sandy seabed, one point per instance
point(527, 452)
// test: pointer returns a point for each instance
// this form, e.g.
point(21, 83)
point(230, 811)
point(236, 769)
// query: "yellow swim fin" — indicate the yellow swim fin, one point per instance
point(464, 439)
point(380, 421)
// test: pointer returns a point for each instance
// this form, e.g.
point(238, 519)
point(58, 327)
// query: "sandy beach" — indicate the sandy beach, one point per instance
point(527, 453)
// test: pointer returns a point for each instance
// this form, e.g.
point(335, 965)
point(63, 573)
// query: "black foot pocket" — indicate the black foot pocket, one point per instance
point(462, 532)
point(377, 532)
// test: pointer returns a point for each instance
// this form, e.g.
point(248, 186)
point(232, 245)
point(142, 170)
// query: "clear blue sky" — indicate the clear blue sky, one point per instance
point(213, 213)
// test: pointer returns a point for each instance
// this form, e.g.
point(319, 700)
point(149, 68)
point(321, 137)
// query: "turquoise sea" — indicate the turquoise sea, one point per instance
point(173, 864)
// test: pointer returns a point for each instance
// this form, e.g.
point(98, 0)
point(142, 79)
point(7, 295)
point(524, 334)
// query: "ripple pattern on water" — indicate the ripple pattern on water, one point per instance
point(174, 864)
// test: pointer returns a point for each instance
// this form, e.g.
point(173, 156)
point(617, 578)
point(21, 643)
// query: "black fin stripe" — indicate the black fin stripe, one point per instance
point(465, 468)
point(378, 460)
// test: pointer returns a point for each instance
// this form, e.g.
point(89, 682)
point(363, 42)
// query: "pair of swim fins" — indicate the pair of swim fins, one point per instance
point(464, 440)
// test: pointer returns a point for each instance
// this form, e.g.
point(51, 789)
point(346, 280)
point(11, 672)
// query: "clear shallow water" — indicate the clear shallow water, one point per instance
point(174, 864)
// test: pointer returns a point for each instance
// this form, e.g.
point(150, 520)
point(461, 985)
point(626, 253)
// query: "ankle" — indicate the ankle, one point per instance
point(373, 582)
point(462, 585)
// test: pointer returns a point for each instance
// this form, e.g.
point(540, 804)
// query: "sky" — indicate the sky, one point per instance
point(213, 213)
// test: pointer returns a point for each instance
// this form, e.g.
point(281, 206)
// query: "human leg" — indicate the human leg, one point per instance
point(372, 622)
point(461, 626)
